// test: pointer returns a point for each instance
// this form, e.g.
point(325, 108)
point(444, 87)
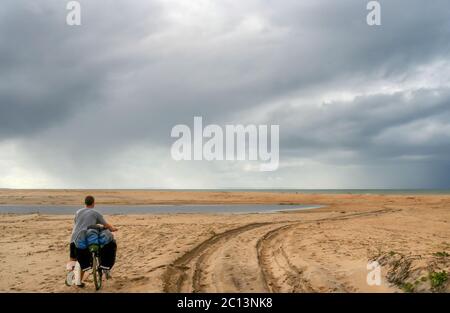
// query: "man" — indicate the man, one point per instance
point(85, 218)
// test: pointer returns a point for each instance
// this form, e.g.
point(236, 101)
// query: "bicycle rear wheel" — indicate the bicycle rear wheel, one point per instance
point(97, 272)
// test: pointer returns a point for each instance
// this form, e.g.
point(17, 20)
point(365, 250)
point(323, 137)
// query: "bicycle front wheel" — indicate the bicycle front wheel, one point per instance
point(97, 272)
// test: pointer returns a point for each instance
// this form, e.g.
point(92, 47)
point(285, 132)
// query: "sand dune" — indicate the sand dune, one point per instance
point(322, 250)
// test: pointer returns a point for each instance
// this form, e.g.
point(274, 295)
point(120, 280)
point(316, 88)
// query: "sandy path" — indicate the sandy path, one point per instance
point(310, 274)
point(252, 258)
point(190, 272)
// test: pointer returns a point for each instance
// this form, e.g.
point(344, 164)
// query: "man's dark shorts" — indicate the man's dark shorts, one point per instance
point(73, 251)
point(83, 256)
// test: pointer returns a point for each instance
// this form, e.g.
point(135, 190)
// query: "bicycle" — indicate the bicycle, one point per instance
point(97, 270)
point(94, 247)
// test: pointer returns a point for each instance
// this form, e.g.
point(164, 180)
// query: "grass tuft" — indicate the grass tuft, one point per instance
point(407, 287)
point(438, 279)
point(442, 254)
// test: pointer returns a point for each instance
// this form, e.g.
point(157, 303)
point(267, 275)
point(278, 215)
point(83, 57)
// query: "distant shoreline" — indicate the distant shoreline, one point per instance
point(52, 197)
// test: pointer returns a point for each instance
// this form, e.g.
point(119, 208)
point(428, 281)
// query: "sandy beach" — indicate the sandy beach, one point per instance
point(319, 250)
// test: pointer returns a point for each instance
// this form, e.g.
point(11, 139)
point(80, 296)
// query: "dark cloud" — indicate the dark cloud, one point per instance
point(350, 99)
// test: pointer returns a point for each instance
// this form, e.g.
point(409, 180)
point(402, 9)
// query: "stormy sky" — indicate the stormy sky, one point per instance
point(92, 106)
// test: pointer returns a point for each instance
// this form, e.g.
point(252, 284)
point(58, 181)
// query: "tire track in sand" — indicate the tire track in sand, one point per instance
point(183, 274)
point(232, 265)
point(209, 264)
point(279, 274)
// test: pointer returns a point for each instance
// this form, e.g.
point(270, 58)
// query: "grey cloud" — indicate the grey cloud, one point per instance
point(135, 69)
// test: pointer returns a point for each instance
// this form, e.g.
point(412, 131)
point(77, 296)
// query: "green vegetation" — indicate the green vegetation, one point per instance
point(407, 287)
point(442, 254)
point(438, 279)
